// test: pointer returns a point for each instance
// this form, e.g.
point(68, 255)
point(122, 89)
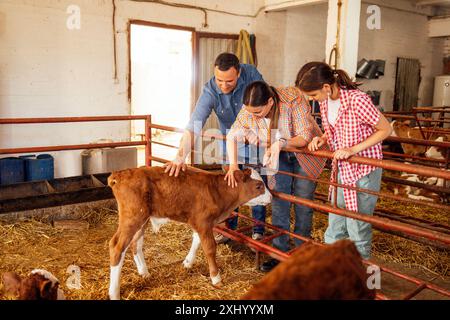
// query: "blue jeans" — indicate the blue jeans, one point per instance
point(281, 209)
point(258, 212)
point(359, 232)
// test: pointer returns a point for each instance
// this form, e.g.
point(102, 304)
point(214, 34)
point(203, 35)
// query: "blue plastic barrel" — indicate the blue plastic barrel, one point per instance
point(11, 170)
point(39, 168)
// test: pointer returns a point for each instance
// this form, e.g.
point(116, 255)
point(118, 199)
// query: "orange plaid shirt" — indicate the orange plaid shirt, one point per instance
point(294, 120)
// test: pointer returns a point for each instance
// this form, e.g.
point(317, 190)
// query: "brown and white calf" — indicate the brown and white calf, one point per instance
point(38, 285)
point(416, 193)
point(403, 130)
point(199, 198)
point(437, 152)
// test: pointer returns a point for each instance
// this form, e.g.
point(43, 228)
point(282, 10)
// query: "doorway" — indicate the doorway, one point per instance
point(407, 82)
point(161, 82)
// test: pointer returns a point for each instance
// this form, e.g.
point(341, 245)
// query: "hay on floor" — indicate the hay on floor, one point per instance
point(35, 244)
point(27, 245)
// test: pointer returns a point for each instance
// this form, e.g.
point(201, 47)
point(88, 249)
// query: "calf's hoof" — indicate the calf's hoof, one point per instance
point(216, 281)
point(145, 274)
point(188, 263)
point(114, 296)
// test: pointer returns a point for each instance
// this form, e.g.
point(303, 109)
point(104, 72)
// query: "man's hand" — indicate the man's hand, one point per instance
point(316, 143)
point(174, 167)
point(230, 175)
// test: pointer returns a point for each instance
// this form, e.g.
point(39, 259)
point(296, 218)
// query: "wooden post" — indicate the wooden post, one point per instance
point(148, 140)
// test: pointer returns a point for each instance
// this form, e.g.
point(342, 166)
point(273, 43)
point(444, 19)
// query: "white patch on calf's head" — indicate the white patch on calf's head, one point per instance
point(433, 152)
point(46, 275)
point(263, 199)
point(431, 180)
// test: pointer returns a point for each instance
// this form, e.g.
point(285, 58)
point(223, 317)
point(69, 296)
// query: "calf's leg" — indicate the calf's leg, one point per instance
point(138, 254)
point(209, 248)
point(117, 249)
point(190, 258)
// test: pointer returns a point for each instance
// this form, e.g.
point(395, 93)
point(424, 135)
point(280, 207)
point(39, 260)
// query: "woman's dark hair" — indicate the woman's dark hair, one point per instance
point(225, 61)
point(313, 75)
point(258, 94)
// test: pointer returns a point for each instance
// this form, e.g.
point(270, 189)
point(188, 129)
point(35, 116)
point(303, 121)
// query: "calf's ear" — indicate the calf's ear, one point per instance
point(242, 175)
point(247, 173)
point(11, 284)
point(238, 175)
point(45, 287)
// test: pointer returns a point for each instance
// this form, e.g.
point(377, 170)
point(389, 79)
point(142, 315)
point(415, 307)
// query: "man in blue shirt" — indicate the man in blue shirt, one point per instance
point(223, 93)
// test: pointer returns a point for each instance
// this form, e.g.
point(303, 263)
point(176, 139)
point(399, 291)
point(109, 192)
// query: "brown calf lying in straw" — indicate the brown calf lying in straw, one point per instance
point(316, 272)
point(198, 198)
point(38, 285)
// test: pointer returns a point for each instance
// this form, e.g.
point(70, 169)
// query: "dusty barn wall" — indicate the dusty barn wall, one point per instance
point(270, 31)
point(288, 39)
point(306, 32)
point(48, 70)
point(403, 33)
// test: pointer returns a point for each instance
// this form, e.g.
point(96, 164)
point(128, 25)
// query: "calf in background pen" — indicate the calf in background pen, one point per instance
point(416, 193)
point(403, 130)
point(436, 152)
point(313, 272)
point(38, 285)
point(199, 198)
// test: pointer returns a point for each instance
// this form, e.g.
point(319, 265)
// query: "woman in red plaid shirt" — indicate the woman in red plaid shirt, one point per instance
point(353, 126)
point(279, 118)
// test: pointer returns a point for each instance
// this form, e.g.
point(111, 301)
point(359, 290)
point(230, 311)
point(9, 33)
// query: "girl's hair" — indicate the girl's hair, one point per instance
point(313, 75)
point(258, 94)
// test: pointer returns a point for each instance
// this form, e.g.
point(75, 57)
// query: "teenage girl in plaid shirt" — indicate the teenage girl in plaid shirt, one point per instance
point(353, 126)
point(279, 118)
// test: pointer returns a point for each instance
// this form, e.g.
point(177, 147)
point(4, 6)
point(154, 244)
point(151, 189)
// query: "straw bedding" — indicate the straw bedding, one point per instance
point(25, 245)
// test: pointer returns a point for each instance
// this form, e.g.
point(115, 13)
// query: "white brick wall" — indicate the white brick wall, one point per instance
point(47, 70)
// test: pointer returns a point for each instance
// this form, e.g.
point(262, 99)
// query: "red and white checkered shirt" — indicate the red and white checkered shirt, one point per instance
point(355, 122)
point(294, 119)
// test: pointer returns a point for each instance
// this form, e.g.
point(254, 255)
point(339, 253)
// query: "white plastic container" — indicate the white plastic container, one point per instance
point(108, 160)
point(441, 96)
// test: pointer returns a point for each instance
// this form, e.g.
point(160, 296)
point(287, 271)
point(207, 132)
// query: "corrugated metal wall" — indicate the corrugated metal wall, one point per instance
point(208, 50)
point(407, 84)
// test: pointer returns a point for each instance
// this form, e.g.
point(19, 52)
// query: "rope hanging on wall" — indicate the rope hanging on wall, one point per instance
point(244, 48)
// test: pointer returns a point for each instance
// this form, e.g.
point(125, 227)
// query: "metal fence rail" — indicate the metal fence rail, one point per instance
point(262, 246)
point(402, 227)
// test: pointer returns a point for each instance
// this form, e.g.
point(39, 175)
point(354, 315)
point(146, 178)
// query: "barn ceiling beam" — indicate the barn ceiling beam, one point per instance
point(272, 5)
point(433, 3)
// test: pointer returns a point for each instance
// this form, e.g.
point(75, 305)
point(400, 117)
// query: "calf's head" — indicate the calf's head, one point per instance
point(252, 190)
point(38, 285)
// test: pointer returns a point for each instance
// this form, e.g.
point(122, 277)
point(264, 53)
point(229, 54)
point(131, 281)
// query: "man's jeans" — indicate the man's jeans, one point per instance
point(281, 209)
point(359, 232)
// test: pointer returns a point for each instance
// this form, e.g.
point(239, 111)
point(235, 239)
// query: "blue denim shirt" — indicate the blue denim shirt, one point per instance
point(226, 106)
